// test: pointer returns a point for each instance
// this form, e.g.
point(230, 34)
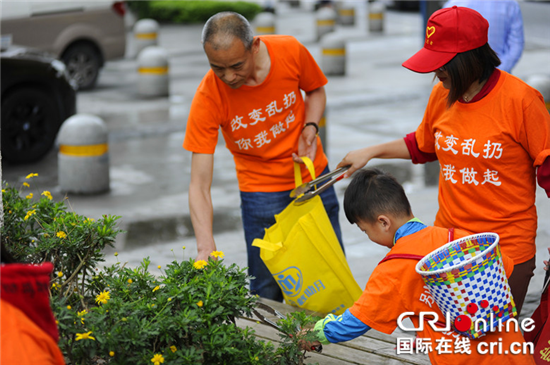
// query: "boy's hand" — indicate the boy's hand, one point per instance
point(308, 345)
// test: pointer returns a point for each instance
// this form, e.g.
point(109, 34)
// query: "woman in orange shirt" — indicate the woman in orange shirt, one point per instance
point(490, 132)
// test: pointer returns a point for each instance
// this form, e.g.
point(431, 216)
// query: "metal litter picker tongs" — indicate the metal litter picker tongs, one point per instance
point(265, 308)
point(305, 188)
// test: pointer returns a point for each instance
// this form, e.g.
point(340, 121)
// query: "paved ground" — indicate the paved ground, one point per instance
point(376, 101)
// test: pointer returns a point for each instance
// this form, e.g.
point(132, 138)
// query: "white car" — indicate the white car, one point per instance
point(83, 34)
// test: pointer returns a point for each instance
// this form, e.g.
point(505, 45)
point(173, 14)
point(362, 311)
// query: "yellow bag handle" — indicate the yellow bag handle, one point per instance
point(266, 245)
point(298, 173)
point(268, 249)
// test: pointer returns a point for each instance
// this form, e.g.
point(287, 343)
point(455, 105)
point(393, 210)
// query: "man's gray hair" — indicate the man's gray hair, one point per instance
point(222, 27)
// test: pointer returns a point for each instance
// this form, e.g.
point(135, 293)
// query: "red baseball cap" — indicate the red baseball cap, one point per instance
point(449, 31)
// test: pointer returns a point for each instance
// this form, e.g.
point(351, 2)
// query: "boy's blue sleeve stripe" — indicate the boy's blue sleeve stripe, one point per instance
point(342, 328)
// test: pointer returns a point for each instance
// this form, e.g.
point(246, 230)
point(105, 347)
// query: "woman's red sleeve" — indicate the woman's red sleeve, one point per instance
point(418, 156)
point(543, 176)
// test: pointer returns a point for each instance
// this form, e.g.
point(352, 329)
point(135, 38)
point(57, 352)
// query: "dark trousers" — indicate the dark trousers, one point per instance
point(519, 281)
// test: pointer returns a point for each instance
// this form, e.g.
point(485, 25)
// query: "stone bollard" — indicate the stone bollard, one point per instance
point(542, 84)
point(346, 13)
point(83, 158)
point(376, 16)
point(326, 21)
point(333, 50)
point(265, 23)
point(145, 34)
point(323, 131)
point(153, 72)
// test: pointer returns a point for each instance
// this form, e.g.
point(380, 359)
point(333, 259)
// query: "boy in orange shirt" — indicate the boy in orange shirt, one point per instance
point(378, 205)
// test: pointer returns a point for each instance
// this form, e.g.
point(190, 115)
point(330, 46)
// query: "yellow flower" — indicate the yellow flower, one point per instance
point(199, 264)
point(56, 286)
point(31, 175)
point(111, 353)
point(61, 234)
point(159, 266)
point(60, 274)
point(29, 196)
point(116, 254)
point(157, 359)
point(184, 247)
point(173, 348)
point(130, 281)
point(217, 254)
point(156, 288)
point(84, 336)
point(69, 307)
point(81, 315)
point(169, 299)
point(200, 303)
point(256, 358)
point(30, 213)
point(25, 184)
point(47, 194)
point(103, 297)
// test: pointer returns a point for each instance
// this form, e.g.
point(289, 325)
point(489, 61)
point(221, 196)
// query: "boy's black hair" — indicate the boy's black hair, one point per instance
point(373, 192)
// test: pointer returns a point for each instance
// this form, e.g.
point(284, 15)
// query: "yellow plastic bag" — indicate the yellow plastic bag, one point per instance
point(304, 256)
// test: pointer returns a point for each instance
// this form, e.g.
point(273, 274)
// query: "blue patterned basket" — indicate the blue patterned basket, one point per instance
point(466, 278)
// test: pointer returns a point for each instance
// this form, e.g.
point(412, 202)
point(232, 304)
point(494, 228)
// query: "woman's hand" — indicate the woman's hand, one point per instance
point(359, 158)
point(547, 262)
point(355, 159)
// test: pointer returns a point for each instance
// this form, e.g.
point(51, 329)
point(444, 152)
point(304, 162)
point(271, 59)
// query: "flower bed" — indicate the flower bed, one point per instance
point(183, 313)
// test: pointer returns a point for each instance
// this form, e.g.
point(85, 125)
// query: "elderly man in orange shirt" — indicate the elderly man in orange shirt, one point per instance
point(253, 93)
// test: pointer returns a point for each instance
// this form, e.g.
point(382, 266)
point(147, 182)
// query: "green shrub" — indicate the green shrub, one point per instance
point(196, 11)
point(37, 229)
point(139, 7)
point(184, 313)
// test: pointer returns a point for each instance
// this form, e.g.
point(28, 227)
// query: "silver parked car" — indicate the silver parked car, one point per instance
point(83, 34)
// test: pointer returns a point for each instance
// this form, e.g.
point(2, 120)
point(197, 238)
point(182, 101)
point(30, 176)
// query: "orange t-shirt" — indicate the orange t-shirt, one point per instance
point(488, 152)
point(260, 124)
point(395, 288)
point(23, 342)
